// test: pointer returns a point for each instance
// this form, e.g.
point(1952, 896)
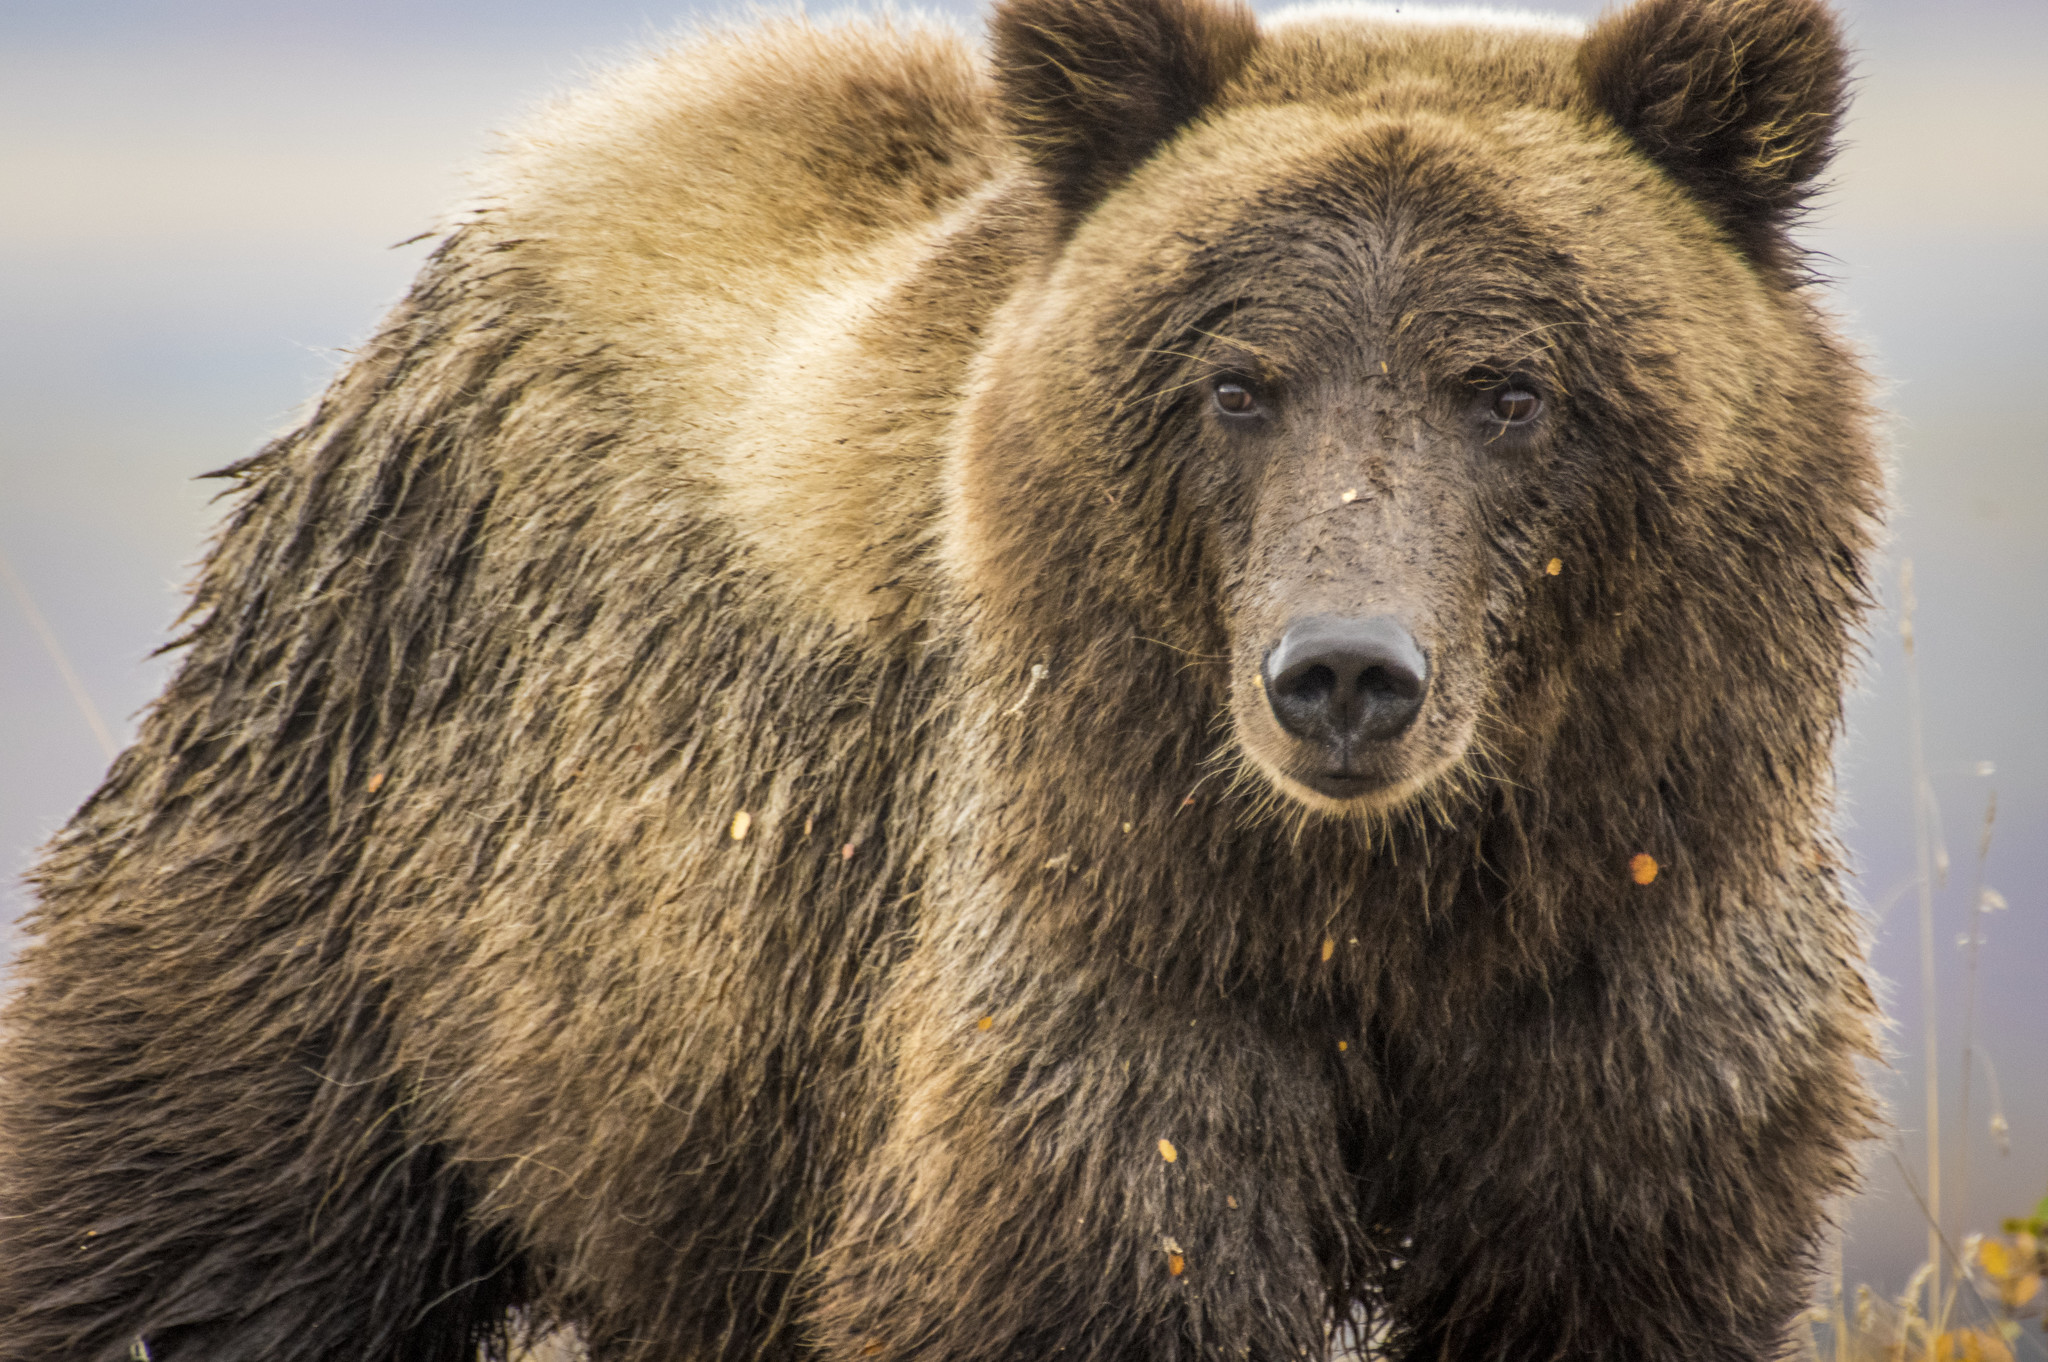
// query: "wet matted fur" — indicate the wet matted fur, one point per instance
point(721, 790)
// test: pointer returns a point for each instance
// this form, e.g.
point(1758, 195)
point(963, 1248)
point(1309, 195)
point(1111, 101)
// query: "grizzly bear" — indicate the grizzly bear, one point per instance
point(1157, 695)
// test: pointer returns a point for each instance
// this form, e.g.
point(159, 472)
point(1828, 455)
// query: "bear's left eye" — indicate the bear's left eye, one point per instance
point(1514, 405)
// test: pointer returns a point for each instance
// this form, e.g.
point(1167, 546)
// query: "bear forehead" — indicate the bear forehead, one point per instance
point(1454, 229)
point(1460, 200)
point(1355, 136)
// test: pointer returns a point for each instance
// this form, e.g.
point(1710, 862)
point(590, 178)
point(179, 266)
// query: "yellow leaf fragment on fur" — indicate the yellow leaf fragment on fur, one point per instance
point(1231, 1202)
point(375, 783)
point(807, 827)
point(985, 1023)
point(741, 821)
point(1554, 566)
point(1343, 1046)
point(1167, 1151)
point(1329, 947)
point(846, 852)
point(1642, 867)
point(1176, 1261)
point(1349, 495)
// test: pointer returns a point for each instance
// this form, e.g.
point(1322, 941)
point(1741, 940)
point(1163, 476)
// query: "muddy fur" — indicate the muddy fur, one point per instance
point(821, 424)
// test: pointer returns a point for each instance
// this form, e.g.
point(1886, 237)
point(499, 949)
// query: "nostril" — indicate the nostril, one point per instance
point(1313, 684)
point(1339, 681)
point(1388, 682)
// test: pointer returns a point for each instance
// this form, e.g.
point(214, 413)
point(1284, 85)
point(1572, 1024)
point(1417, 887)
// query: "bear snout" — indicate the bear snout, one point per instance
point(1336, 714)
point(1343, 682)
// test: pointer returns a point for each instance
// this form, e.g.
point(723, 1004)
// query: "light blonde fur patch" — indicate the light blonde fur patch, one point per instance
point(726, 217)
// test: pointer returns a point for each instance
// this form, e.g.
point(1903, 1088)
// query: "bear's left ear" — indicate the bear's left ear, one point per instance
point(1091, 88)
point(1739, 100)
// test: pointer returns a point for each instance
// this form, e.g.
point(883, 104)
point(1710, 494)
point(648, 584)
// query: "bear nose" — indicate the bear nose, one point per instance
point(1342, 681)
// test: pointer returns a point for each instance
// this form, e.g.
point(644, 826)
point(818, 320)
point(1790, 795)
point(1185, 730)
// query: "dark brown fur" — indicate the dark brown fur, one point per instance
point(817, 427)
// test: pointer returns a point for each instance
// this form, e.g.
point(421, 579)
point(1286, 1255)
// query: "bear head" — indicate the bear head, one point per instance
point(1414, 386)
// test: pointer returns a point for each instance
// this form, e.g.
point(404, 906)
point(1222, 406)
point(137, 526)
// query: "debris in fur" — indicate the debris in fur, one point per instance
point(1038, 673)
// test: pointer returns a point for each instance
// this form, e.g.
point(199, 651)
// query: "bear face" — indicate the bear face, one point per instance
point(1383, 350)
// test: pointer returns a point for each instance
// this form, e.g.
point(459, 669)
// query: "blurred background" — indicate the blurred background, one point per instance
point(198, 205)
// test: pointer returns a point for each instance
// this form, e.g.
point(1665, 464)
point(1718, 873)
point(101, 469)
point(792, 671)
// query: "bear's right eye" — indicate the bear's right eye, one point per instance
point(1515, 405)
point(1234, 398)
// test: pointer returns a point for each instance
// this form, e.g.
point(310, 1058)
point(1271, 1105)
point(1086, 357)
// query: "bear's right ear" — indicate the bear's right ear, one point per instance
point(1091, 88)
point(1739, 100)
